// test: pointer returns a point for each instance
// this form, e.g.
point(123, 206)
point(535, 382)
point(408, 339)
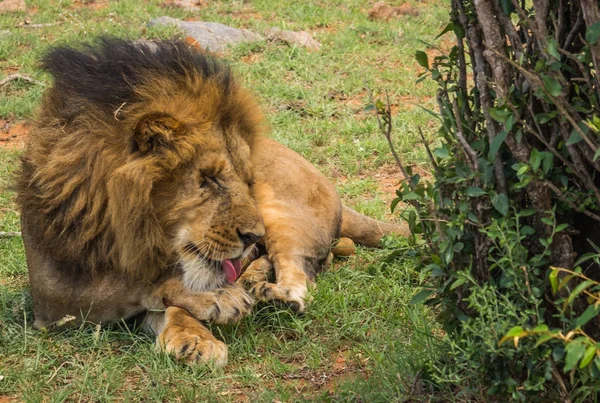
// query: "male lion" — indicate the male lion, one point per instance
point(145, 182)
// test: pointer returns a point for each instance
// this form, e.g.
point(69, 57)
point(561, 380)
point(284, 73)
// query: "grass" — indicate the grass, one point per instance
point(360, 340)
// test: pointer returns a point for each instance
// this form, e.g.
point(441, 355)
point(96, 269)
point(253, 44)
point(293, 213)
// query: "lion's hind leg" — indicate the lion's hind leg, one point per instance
point(182, 336)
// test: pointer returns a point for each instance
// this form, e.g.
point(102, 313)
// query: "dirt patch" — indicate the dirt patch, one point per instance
point(252, 58)
point(188, 5)
point(382, 11)
point(90, 4)
point(443, 48)
point(13, 136)
point(12, 6)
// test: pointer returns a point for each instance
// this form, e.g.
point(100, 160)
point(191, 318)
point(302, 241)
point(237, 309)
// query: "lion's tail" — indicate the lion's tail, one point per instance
point(367, 231)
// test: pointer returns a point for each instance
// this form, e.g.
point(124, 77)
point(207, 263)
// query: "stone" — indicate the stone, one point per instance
point(5, 34)
point(301, 38)
point(211, 36)
point(344, 247)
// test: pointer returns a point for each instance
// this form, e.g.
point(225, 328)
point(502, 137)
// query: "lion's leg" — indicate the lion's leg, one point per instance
point(181, 335)
point(221, 306)
point(291, 286)
point(258, 271)
point(292, 283)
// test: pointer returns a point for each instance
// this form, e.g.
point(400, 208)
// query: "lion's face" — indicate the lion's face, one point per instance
point(207, 210)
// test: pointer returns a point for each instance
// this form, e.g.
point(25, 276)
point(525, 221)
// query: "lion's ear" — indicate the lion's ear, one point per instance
point(154, 130)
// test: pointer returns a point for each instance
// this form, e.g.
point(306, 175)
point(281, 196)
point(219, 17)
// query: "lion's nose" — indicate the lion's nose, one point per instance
point(250, 238)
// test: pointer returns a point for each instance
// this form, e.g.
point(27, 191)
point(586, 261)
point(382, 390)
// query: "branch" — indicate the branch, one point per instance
point(463, 141)
point(429, 154)
point(9, 234)
point(17, 76)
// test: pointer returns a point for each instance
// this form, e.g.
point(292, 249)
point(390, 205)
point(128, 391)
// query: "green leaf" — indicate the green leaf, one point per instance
point(593, 33)
point(588, 356)
point(499, 115)
point(540, 329)
point(411, 196)
point(561, 227)
point(394, 204)
point(574, 138)
point(496, 143)
point(547, 221)
point(590, 313)
point(547, 162)
point(551, 85)
point(516, 331)
point(500, 203)
point(552, 48)
point(542, 118)
point(421, 296)
point(442, 152)
point(596, 155)
point(474, 191)
point(564, 281)
point(527, 230)
point(458, 282)
point(581, 287)
point(574, 352)
point(448, 28)
point(522, 170)
point(544, 338)
point(554, 281)
point(422, 59)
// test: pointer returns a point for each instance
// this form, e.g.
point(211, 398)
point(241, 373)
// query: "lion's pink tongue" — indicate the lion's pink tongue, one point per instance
point(232, 269)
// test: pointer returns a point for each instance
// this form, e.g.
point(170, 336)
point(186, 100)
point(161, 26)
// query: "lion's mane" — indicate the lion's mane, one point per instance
point(85, 187)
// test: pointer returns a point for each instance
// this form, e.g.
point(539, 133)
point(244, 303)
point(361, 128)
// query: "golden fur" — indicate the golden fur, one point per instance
point(146, 176)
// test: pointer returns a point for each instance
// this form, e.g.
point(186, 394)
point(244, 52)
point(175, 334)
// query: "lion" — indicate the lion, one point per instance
point(148, 180)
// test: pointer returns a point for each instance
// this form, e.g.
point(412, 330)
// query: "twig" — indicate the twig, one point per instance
point(9, 234)
point(461, 138)
point(561, 196)
point(435, 165)
point(49, 24)
point(564, 391)
point(17, 76)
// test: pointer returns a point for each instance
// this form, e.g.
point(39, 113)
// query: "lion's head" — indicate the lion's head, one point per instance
point(139, 162)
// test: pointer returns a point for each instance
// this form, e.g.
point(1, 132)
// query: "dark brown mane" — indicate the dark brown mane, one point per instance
point(84, 187)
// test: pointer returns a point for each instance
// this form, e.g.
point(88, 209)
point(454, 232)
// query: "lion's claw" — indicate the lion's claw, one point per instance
point(231, 304)
point(292, 296)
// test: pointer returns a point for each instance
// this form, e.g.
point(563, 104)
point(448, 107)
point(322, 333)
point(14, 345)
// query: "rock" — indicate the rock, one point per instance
point(5, 34)
point(10, 6)
point(301, 38)
point(383, 12)
point(344, 247)
point(210, 36)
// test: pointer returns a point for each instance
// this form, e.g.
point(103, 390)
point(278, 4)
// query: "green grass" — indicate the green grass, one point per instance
point(360, 339)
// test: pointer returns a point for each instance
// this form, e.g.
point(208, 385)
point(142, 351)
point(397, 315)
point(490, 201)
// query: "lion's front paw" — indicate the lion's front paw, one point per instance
point(258, 271)
point(193, 345)
point(231, 304)
point(293, 296)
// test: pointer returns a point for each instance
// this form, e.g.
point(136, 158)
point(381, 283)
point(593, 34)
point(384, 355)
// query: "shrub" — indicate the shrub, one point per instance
point(516, 190)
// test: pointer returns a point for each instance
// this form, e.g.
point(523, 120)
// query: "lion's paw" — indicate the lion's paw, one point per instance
point(231, 304)
point(193, 347)
point(293, 296)
point(258, 271)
